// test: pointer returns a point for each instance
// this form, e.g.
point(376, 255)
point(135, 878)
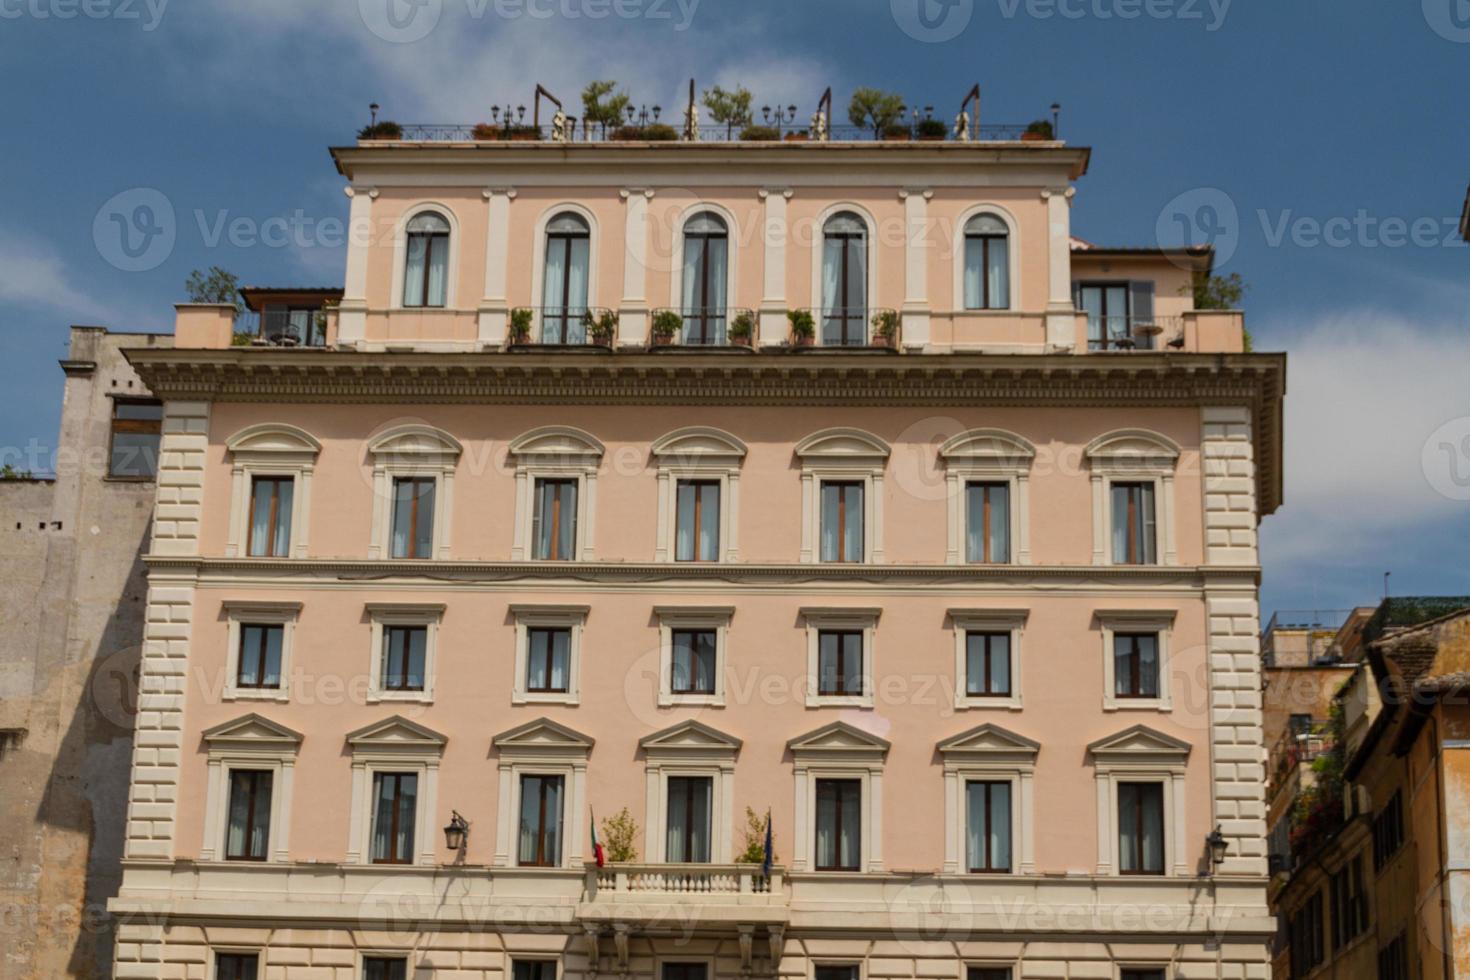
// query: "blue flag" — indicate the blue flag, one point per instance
point(770, 848)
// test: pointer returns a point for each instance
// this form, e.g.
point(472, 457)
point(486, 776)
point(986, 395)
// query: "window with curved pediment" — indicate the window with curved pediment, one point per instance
point(988, 473)
point(271, 468)
point(1133, 498)
point(842, 496)
point(413, 492)
point(556, 494)
point(698, 495)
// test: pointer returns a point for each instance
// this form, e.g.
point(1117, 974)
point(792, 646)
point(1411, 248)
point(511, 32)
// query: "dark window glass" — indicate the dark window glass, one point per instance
point(426, 269)
point(554, 524)
point(685, 971)
point(404, 651)
point(689, 819)
point(270, 516)
point(260, 656)
point(1388, 831)
point(1135, 535)
point(384, 968)
point(988, 523)
point(395, 809)
point(836, 972)
point(1307, 946)
point(1142, 975)
point(247, 837)
point(236, 966)
point(842, 521)
point(844, 281)
point(137, 430)
point(534, 970)
point(693, 667)
point(548, 660)
point(1141, 828)
point(413, 517)
point(988, 826)
point(1349, 904)
point(839, 662)
point(541, 821)
point(988, 664)
point(989, 973)
point(697, 530)
point(1393, 960)
point(839, 824)
point(1136, 665)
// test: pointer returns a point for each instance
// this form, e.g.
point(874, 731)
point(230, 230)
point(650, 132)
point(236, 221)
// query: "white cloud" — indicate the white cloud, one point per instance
point(33, 276)
point(1365, 391)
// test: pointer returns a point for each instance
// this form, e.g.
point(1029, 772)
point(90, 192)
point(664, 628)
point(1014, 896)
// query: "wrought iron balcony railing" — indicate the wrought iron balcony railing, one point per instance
point(563, 326)
point(847, 326)
point(708, 133)
point(702, 327)
point(1123, 333)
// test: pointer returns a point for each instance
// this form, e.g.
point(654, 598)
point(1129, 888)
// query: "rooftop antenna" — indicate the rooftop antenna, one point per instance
point(973, 119)
point(1056, 120)
point(1385, 583)
point(374, 110)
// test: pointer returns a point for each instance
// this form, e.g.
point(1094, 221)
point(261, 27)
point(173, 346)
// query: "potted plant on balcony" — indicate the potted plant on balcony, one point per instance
point(742, 329)
point(797, 136)
point(932, 130)
point(897, 132)
point(660, 133)
point(879, 111)
point(601, 327)
point(759, 134)
point(803, 327)
point(520, 325)
point(521, 134)
point(485, 133)
point(385, 130)
point(885, 328)
point(666, 326)
point(1038, 131)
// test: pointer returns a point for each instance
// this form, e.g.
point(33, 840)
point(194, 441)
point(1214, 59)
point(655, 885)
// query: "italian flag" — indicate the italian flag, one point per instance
point(597, 853)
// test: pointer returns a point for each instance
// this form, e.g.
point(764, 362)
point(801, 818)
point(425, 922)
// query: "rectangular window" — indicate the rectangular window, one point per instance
point(988, 523)
point(844, 972)
point(1141, 828)
point(137, 431)
point(1349, 904)
point(1136, 665)
point(247, 837)
point(988, 973)
point(693, 668)
point(533, 970)
point(1141, 975)
point(988, 665)
point(1388, 832)
point(988, 826)
point(842, 521)
point(260, 656)
point(541, 819)
point(839, 824)
point(685, 971)
point(384, 968)
point(404, 650)
point(839, 663)
point(554, 523)
point(697, 532)
point(236, 966)
point(395, 808)
point(1135, 535)
point(413, 517)
point(548, 660)
point(689, 819)
point(270, 516)
point(1393, 960)
point(1307, 951)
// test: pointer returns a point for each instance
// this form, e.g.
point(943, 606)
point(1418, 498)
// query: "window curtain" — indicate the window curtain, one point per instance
point(270, 672)
point(244, 839)
point(1148, 666)
point(988, 822)
point(998, 655)
point(709, 521)
point(555, 520)
point(704, 661)
point(1089, 300)
point(1141, 827)
point(684, 531)
point(715, 299)
point(688, 833)
point(438, 270)
point(974, 271)
point(578, 270)
point(554, 317)
point(693, 302)
point(285, 493)
point(831, 495)
point(999, 826)
point(852, 538)
point(832, 256)
point(1144, 529)
point(561, 641)
point(842, 540)
point(998, 496)
point(413, 272)
point(998, 273)
point(396, 791)
point(827, 657)
point(530, 818)
point(264, 493)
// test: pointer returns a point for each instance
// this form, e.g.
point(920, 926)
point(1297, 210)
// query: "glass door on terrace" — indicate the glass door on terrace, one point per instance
point(706, 270)
point(564, 294)
point(1113, 310)
point(844, 281)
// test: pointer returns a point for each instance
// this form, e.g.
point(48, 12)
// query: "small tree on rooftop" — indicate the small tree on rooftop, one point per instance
point(1217, 292)
point(600, 105)
point(729, 108)
point(875, 109)
point(214, 286)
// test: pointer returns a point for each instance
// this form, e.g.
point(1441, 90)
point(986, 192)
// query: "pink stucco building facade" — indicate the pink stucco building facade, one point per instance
point(961, 589)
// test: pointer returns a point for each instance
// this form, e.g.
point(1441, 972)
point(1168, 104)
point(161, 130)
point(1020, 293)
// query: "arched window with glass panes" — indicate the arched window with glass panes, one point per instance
point(844, 281)
point(565, 284)
point(987, 263)
point(706, 278)
point(426, 271)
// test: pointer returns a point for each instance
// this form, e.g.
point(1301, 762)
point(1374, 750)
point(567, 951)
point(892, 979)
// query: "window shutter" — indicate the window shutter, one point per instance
point(1076, 294)
point(1141, 299)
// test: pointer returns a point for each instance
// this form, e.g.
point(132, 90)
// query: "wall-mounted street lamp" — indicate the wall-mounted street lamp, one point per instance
point(457, 833)
point(1218, 845)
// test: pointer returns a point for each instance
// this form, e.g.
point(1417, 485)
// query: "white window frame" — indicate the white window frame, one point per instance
point(695, 750)
point(842, 454)
point(988, 456)
point(1141, 755)
point(381, 614)
point(556, 452)
point(395, 745)
point(410, 451)
point(1013, 272)
point(734, 239)
point(671, 618)
point(838, 751)
point(965, 621)
point(529, 616)
point(1133, 456)
point(538, 260)
point(818, 620)
point(989, 753)
point(541, 748)
point(400, 257)
point(270, 450)
point(1156, 621)
point(238, 614)
point(872, 257)
point(698, 453)
point(249, 742)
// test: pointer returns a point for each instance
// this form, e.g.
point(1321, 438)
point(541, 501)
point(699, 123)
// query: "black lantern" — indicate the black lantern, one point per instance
point(457, 832)
point(1218, 845)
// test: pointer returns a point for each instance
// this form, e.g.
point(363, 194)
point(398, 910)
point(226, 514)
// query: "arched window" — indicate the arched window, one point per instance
point(706, 274)
point(564, 291)
point(987, 264)
point(426, 273)
point(844, 280)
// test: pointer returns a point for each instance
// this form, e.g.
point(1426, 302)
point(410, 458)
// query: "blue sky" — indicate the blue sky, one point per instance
point(1333, 129)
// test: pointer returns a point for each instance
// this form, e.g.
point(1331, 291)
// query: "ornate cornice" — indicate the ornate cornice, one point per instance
point(807, 377)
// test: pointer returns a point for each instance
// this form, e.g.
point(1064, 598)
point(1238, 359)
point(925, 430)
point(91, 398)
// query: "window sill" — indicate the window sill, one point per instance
point(691, 700)
point(280, 696)
point(416, 697)
point(526, 697)
point(972, 703)
point(1158, 706)
point(839, 701)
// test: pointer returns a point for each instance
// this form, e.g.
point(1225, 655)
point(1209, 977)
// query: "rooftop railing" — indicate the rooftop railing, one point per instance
point(709, 133)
